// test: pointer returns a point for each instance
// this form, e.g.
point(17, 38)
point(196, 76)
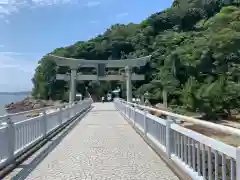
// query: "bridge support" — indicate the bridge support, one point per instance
point(72, 93)
point(128, 83)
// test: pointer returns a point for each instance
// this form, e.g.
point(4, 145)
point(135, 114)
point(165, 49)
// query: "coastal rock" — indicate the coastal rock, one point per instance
point(37, 106)
point(160, 107)
point(28, 104)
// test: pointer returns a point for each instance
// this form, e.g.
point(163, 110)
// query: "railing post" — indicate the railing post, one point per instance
point(129, 112)
point(145, 121)
point(76, 109)
point(69, 111)
point(80, 107)
point(118, 105)
point(134, 115)
point(169, 138)
point(114, 102)
point(121, 106)
point(44, 123)
point(85, 105)
point(72, 110)
point(125, 109)
point(11, 137)
point(60, 115)
point(238, 164)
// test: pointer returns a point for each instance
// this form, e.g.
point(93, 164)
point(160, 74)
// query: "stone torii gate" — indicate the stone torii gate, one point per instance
point(100, 65)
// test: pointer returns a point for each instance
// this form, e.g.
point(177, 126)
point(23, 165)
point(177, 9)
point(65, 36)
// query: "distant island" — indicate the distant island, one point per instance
point(15, 93)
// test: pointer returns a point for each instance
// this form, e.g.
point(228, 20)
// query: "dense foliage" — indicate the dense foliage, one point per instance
point(195, 48)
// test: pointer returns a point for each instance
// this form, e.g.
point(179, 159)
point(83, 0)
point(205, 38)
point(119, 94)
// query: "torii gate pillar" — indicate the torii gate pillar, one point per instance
point(72, 92)
point(128, 72)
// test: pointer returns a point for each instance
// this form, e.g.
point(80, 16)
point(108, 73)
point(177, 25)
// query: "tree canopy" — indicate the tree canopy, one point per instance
point(195, 57)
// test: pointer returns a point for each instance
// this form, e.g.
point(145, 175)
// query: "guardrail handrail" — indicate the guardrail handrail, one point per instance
point(33, 110)
point(199, 156)
point(222, 128)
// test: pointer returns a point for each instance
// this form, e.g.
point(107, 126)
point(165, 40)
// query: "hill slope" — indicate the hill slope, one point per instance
point(195, 57)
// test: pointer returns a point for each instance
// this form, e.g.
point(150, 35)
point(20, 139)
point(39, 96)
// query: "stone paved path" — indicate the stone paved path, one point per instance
point(102, 147)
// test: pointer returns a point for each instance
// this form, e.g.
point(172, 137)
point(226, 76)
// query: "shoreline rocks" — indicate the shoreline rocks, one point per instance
point(29, 104)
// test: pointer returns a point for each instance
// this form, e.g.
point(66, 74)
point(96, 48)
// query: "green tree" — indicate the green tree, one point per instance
point(195, 58)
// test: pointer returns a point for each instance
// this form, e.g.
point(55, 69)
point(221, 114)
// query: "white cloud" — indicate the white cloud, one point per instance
point(122, 14)
point(15, 61)
point(4, 53)
point(51, 2)
point(93, 22)
point(92, 3)
point(3, 1)
point(3, 10)
point(7, 21)
point(7, 7)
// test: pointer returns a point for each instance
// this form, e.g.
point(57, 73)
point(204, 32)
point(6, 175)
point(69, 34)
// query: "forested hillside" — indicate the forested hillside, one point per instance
point(195, 48)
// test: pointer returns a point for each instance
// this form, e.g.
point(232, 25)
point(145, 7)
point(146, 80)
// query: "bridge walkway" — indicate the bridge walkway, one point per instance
point(102, 146)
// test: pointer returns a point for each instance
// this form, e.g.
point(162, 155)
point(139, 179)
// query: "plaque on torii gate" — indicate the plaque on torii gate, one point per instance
point(100, 65)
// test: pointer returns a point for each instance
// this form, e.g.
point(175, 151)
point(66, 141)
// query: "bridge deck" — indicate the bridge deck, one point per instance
point(102, 146)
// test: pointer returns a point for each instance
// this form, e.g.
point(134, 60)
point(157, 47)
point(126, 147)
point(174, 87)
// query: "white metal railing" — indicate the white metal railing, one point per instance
point(17, 137)
point(20, 116)
point(199, 156)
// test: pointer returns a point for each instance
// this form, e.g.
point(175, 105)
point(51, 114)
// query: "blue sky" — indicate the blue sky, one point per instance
point(31, 28)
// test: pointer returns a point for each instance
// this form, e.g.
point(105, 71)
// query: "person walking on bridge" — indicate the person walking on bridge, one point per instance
point(103, 99)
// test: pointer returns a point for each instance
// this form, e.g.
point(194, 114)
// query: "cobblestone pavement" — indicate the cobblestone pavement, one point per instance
point(103, 146)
